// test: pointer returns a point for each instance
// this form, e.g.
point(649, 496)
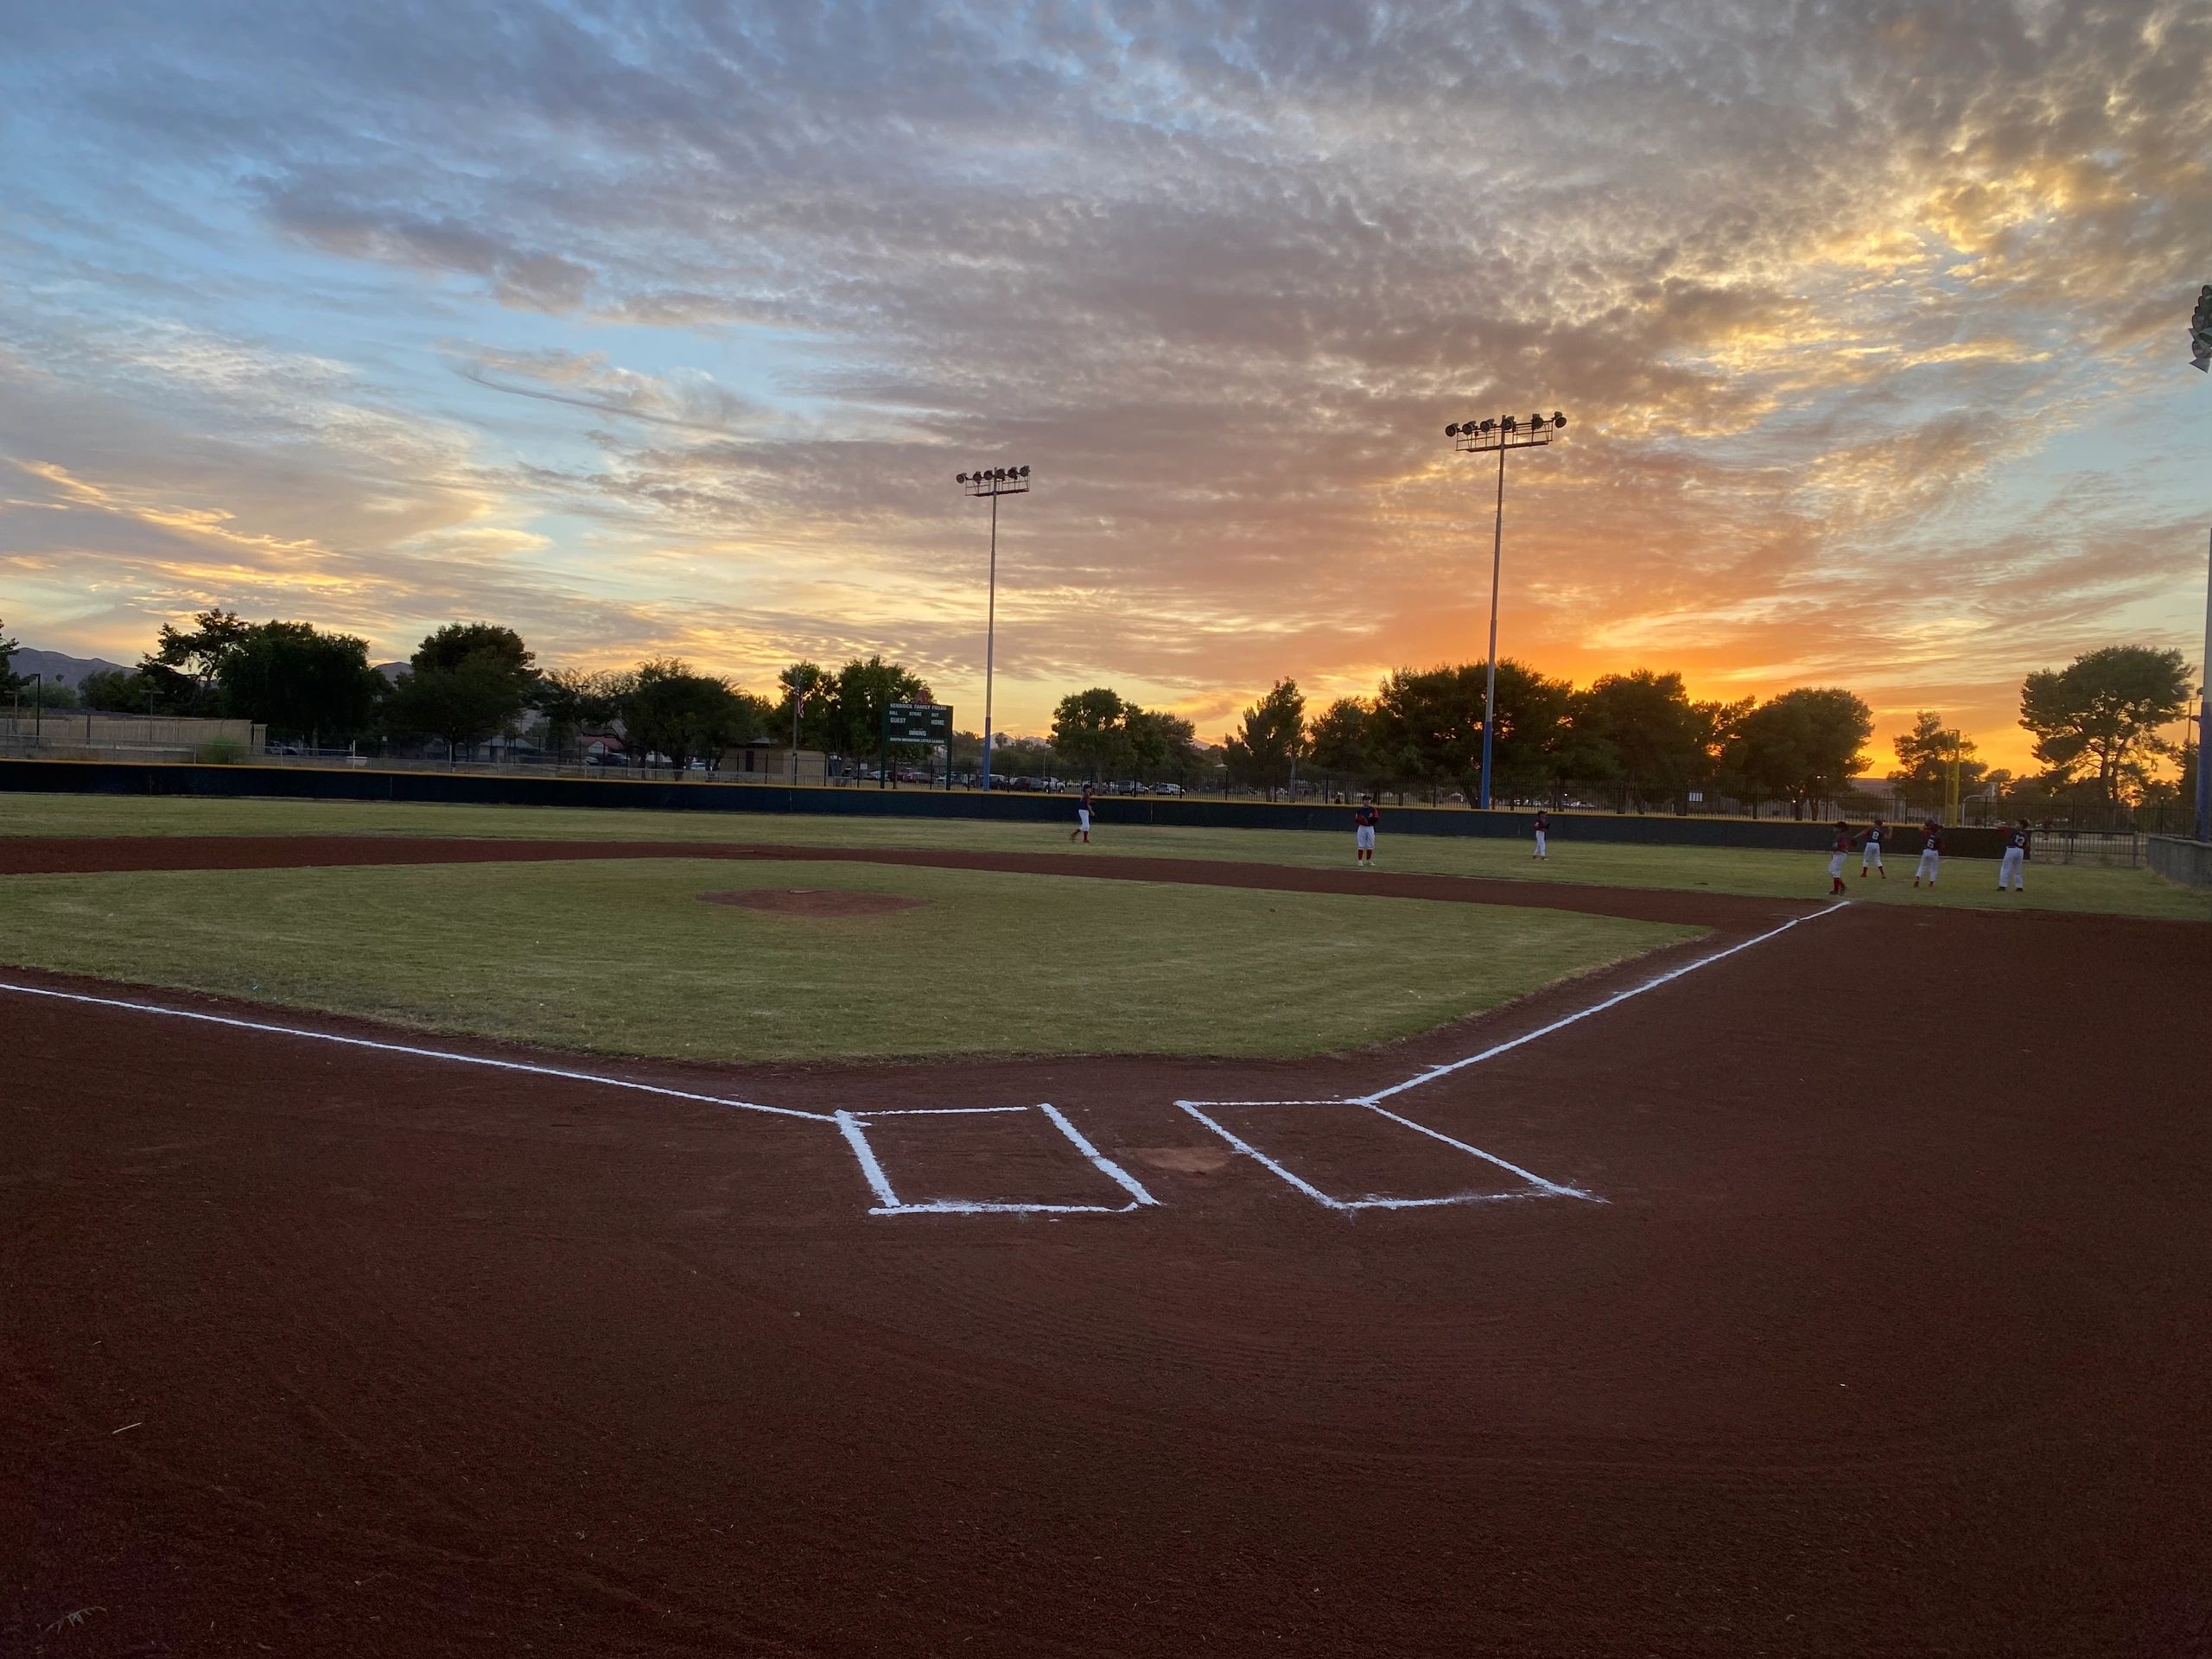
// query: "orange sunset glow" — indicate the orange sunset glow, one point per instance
point(647, 333)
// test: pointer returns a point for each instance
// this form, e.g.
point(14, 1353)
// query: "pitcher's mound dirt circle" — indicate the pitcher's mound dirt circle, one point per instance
point(815, 901)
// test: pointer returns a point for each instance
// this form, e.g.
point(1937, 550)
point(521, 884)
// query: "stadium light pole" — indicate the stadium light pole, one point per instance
point(991, 481)
point(2204, 709)
point(2200, 354)
point(1479, 438)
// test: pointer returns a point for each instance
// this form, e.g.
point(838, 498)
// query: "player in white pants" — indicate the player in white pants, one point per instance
point(2011, 873)
point(1932, 856)
point(1365, 817)
point(1543, 829)
point(1869, 852)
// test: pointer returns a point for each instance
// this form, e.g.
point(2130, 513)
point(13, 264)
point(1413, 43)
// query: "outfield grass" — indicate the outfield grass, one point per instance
point(625, 958)
point(1971, 882)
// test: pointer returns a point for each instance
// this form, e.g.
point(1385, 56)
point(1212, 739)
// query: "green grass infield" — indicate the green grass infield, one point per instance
point(626, 959)
point(1717, 869)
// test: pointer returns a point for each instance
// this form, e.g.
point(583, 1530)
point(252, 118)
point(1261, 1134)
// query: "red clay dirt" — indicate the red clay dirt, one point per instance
point(1887, 1338)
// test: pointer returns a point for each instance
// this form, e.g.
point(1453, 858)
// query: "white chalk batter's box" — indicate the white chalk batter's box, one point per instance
point(1350, 1155)
point(985, 1160)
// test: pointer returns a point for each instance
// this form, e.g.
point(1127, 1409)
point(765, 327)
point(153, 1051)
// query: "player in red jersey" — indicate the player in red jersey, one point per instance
point(1931, 854)
point(1364, 820)
point(1840, 851)
point(2009, 871)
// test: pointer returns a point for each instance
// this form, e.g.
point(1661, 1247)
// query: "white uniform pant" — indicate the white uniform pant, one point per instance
point(1082, 819)
point(1870, 857)
point(1362, 837)
point(1835, 866)
point(2009, 872)
point(1540, 843)
point(1926, 873)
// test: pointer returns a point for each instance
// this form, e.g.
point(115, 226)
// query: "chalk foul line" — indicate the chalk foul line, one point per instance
point(1432, 1074)
point(413, 1052)
point(1537, 1186)
point(852, 1125)
point(848, 1124)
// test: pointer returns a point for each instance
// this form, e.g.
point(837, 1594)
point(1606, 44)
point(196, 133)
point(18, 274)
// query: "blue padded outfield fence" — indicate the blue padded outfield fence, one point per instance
point(368, 783)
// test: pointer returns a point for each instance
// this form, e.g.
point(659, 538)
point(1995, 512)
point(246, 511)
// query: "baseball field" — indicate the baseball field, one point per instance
point(444, 1230)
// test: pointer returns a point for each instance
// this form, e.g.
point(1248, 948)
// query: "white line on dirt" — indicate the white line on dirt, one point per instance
point(414, 1052)
point(1448, 1067)
point(1106, 1165)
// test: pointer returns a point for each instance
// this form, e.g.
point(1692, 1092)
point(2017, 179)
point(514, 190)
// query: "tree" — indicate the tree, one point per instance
point(119, 691)
point(2100, 714)
point(48, 693)
point(298, 681)
point(461, 705)
point(1801, 746)
point(1717, 726)
point(1655, 735)
point(466, 681)
point(1266, 747)
point(670, 711)
point(1337, 742)
point(863, 691)
point(1427, 728)
point(460, 642)
point(1088, 735)
point(1159, 741)
point(575, 700)
point(186, 666)
point(816, 692)
point(1925, 755)
point(8, 647)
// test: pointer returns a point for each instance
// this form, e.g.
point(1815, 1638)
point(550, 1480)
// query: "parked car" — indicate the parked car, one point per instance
point(1167, 789)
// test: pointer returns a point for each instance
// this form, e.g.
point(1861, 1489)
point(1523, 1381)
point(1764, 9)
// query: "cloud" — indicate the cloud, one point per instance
point(589, 381)
point(705, 306)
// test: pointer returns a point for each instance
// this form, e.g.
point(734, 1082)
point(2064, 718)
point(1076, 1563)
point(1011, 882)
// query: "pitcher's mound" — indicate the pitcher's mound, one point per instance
point(814, 901)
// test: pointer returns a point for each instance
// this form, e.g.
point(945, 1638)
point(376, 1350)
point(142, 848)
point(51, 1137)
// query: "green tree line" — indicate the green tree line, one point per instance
point(1637, 739)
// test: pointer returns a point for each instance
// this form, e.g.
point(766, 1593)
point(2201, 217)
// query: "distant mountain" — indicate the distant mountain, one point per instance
point(59, 670)
point(392, 671)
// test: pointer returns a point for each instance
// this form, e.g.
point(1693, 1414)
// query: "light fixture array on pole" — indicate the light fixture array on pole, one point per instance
point(991, 481)
point(1479, 438)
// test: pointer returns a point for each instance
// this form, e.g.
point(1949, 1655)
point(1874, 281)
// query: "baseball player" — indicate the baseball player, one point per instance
point(1082, 818)
point(1870, 852)
point(1364, 820)
point(1931, 854)
point(2009, 871)
point(1838, 853)
point(1543, 828)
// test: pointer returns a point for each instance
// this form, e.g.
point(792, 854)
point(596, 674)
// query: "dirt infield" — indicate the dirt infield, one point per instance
point(1870, 1321)
point(65, 855)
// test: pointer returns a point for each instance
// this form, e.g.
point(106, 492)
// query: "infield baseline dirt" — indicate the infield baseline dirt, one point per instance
point(1888, 1338)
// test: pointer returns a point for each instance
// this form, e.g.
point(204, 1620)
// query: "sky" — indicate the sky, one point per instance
point(661, 329)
